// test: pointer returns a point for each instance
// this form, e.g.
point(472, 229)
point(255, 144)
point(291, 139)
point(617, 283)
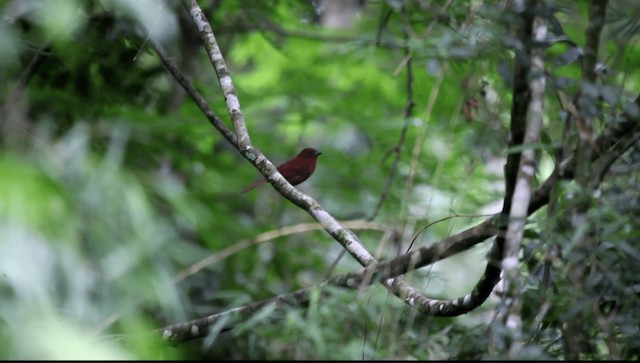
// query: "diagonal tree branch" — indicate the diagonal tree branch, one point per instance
point(226, 83)
point(195, 95)
point(199, 328)
point(271, 235)
point(343, 235)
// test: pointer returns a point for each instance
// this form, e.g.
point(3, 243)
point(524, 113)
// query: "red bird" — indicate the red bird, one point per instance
point(295, 170)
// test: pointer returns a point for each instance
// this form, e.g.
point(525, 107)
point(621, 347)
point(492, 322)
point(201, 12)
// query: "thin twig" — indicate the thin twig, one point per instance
point(200, 101)
point(382, 25)
point(611, 158)
point(407, 115)
point(435, 91)
point(417, 147)
point(408, 110)
point(455, 215)
point(7, 120)
point(269, 236)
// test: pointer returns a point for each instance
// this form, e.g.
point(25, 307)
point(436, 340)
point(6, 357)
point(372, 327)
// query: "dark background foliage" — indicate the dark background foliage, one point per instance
point(113, 184)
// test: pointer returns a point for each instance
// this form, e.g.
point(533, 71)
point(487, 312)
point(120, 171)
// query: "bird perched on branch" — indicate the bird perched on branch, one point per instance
point(295, 170)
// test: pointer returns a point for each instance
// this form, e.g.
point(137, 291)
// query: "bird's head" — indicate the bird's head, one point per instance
point(310, 153)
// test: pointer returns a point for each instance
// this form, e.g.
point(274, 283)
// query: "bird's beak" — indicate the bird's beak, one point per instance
point(318, 152)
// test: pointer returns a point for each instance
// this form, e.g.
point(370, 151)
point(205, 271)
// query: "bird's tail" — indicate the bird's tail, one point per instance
point(255, 184)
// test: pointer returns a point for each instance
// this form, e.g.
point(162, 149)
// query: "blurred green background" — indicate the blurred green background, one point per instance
point(112, 182)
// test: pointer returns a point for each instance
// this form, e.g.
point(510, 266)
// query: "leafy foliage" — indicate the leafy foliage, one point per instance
point(113, 182)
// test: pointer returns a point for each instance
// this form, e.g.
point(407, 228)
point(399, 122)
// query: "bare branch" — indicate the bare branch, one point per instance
point(269, 236)
point(195, 95)
point(407, 111)
point(523, 188)
point(9, 121)
point(199, 328)
point(226, 83)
